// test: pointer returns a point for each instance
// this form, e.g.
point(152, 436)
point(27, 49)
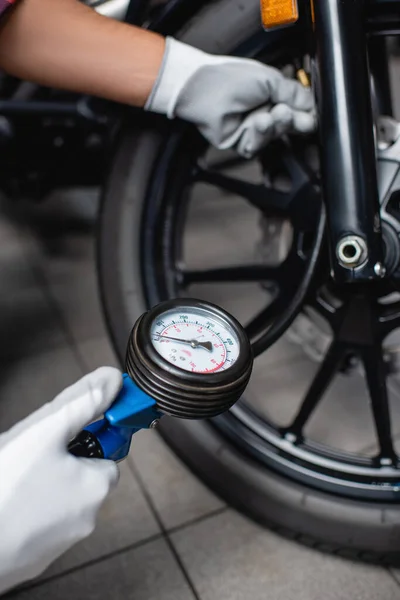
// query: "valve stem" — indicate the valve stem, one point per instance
point(303, 77)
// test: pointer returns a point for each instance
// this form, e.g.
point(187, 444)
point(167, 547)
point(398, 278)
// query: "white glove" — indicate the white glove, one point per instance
point(49, 499)
point(229, 99)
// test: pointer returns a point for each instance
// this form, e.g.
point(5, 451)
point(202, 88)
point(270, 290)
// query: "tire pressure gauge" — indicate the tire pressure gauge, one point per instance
point(185, 358)
point(192, 357)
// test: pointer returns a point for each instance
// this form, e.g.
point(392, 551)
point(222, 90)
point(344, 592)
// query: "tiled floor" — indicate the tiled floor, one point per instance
point(162, 535)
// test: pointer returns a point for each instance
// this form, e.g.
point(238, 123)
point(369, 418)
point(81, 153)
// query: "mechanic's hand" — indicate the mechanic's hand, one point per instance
point(236, 103)
point(49, 499)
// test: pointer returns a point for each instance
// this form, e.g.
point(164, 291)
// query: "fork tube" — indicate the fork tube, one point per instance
point(347, 137)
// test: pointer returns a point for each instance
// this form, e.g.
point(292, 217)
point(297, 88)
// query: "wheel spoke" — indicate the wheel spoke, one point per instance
point(259, 323)
point(258, 195)
point(228, 274)
point(375, 373)
point(323, 378)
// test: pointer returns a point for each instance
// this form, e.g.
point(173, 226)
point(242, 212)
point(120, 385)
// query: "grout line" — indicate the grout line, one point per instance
point(72, 344)
point(164, 531)
point(392, 575)
point(42, 282)
point(162, 535)
point(196, 520)
point(89, 563)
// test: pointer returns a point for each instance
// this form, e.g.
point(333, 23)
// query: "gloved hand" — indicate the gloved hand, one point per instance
point(236, 103)
point(49, 499)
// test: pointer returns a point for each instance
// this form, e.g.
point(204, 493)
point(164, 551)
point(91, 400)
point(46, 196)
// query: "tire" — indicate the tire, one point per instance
point(366, 530)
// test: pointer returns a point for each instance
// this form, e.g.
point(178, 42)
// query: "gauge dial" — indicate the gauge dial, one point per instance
point(195, 340)
point(192, 357)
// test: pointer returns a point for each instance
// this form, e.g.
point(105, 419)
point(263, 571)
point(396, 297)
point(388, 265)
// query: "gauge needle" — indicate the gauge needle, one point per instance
point(194, 343)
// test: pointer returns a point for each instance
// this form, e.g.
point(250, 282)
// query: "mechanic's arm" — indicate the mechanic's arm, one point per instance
point(234, 102)
point(63, 43)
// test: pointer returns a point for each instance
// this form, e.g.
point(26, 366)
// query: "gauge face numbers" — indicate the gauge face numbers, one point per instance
point(196, 340)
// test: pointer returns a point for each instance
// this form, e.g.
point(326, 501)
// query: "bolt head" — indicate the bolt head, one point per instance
point(154, 424)
point(351, 251)
point(380, 269)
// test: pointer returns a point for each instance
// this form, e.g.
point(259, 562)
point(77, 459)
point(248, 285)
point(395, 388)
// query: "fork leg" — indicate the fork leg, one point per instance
point(348, 153)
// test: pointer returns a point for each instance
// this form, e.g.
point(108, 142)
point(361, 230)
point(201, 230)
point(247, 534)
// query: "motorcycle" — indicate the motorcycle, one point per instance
point(325, 271)
point(312, 230)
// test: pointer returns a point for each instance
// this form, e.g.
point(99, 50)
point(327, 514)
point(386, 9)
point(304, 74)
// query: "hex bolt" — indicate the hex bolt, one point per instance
point(154, 423)
point(351, 251)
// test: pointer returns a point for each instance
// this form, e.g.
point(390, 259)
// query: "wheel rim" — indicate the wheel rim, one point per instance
point(359, 321)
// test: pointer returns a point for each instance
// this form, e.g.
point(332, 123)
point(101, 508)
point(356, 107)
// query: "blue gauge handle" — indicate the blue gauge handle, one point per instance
point(111, 437)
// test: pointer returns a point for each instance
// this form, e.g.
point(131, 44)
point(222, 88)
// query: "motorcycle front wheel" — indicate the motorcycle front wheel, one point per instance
point(160, 200)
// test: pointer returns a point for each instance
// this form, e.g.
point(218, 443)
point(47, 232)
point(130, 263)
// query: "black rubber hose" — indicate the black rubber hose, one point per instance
point(283, 322)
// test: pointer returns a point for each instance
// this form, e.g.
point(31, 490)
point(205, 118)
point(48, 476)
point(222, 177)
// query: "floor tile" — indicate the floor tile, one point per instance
point(28, 320)
point(177, 495)
point(67, 259)
point(29, 324)
point(28, 383)
point(55, 228)
point(78, 301)
point(231, 558)
point(125, 519)
point(16, 273)
point(61, 258)
point(148, 572)
point(97, 352)
point(60, 245)
point(396, 575)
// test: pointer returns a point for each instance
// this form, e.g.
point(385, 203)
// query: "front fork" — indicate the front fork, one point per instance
point(348, 152)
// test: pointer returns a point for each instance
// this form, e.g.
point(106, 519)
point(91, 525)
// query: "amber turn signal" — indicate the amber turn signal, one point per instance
point(276, 13)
